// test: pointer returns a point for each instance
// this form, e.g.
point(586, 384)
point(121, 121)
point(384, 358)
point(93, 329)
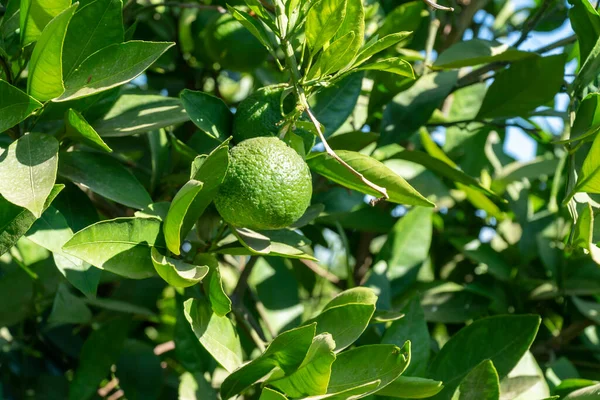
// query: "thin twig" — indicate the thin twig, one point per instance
point(323, 273)
point(181, 5)
point(239, 310)
point(557, 44)
point(532, 23)
point(242, 284)
point(434, 25)
point(242, 316)
point(477, 75)
point(381, 190)
point(464, 20)
point(6, 69)
point(436, 6)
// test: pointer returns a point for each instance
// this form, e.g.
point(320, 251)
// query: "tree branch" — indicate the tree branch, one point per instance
point(532, 23)
point(323, 273)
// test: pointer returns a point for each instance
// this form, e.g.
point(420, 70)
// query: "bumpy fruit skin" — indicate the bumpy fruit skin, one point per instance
point(231, 45)
point(260, 113)
point(267, 186)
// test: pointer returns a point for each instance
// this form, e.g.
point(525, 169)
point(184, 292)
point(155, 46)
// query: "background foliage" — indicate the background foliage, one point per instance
point(118, 278)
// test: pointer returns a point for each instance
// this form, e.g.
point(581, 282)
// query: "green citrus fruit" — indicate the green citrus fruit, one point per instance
point(260, 114)
point(231, 45)
point(267, 186)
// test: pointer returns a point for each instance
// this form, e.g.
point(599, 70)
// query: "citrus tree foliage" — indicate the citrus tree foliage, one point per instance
point(422, 261)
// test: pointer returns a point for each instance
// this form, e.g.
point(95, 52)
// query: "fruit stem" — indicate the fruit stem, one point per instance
point(292, 65)
point(329, 150)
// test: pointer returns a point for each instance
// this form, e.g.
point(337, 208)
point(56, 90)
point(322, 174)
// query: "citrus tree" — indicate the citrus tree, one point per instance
point(301, 199)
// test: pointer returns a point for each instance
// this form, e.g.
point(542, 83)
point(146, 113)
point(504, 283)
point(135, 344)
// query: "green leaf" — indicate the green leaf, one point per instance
point(287, 243)
point(590, 310)
point(254, 26)
point(283, 243)
point(272, 280)
point(208, 113)
point(441, 167)
point(15, 221)
point(587, 119)
point(481, 383)
point(140, 371)
point(44, 80)
point(412, 108)
point(99, 352)
point(334, 58)
point(51, 231)
point(215, 333)
point(502, 339)
point(588, 71)
point(355, 367)
point(333, 105)
point(583, 233)
point(477, 198)
point(361, 390)
point(518, 171)
point(360, 295)
point(323, 21)
point(180, 209)
point(188, 349)
point(120, 306)
point(28, 171)
point(353, 141)
point(287, 352)
point(346, 316)
point(68, 309)
point(312, 377)
point(407, 16)
point(270, 394)
point(354, 21)
point(78, 129)
point(588, 179)
point(572, 384)
point(213, 285)
point(105, 176)
point(394, 65)
point(452, 303)
point(177, 272)
point(478, 51)
point(264, 16)
point(136, 113)
point(411, 388)
point(15, 106)
point(398, 190)
point(121, 246)
point(525, 381)
point(125, 61)
point(379, 45)
point(586, 24)
point(193, 198)
point(483, 253)
point(587, 393)
point(76, 207)
point(527, 84)
point(414, 328)
point(36, 14)
point(94, 26)
point(407, 247)
point(17, 289)
point(195, 387)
